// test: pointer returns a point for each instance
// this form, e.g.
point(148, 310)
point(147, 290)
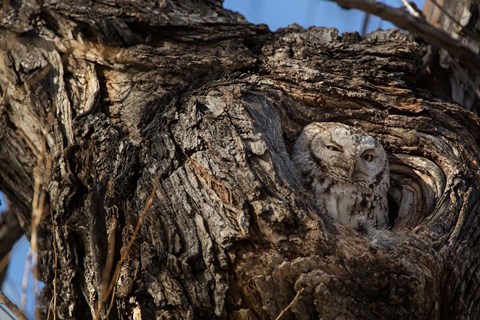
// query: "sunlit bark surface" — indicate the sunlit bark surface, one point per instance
point(181, 116)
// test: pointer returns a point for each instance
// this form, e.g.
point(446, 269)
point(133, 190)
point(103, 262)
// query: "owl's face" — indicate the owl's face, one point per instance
point(345, 153)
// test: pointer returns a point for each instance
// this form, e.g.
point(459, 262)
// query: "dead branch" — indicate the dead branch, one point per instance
point(420, 27)
point(12, 307)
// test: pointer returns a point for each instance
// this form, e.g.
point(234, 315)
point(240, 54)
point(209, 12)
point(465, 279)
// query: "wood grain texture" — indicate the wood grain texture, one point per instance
point(460, 21)
point(192, 94)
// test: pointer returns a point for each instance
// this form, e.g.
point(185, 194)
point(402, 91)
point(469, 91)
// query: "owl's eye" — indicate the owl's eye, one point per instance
point(334, 148)
point(368, 157)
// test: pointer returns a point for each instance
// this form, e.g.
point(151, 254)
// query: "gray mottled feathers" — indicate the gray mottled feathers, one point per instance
point(347, 171)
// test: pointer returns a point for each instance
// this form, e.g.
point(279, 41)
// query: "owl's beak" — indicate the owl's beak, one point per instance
point(353, 169)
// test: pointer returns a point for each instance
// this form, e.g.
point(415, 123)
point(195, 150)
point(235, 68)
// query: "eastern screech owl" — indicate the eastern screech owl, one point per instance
point(347, 170)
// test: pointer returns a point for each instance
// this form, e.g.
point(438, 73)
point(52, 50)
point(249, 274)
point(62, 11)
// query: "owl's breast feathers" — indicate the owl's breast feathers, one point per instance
point(344, 201)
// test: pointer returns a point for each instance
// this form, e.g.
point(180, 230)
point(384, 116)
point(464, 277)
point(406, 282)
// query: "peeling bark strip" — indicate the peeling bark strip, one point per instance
point(192, 94)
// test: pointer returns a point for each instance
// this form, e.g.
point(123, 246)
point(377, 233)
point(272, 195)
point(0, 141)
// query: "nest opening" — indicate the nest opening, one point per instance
point(415, 185)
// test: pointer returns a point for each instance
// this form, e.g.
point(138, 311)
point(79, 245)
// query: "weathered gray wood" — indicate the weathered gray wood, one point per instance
point(124, 93)
point(460, 20)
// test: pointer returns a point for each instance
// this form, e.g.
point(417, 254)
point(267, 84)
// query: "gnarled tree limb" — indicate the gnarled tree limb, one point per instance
point(420, 27)
point(190, 93)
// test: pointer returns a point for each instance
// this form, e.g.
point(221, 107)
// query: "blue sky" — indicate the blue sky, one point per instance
point(2, 202)
point(281, 13)
point(274, 13)
point(12, 287)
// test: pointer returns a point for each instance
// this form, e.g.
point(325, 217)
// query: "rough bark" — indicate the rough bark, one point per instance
point(448, 75)
point(110, 101)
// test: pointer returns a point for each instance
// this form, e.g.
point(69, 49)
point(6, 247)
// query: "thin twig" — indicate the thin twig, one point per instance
point(290, 304)
point(366, 21)
point(55, 267)
point(112, 298)
point(445, 12)
point(26, 272)
point(41, 174)
point(465, 77)
point(108, 267)
point(421, 27)
point(125, 253)
point(7, 312)
point(469, 32)
point(12, 307)
point(410, 9)
point(4, 262)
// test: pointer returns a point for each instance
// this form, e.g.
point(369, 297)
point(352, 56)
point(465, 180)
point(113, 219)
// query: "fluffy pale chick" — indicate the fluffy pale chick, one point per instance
point(348, 172)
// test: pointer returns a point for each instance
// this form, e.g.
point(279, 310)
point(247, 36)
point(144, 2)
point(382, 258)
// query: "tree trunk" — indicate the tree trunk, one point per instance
point(153, 139)
point(446, 74)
